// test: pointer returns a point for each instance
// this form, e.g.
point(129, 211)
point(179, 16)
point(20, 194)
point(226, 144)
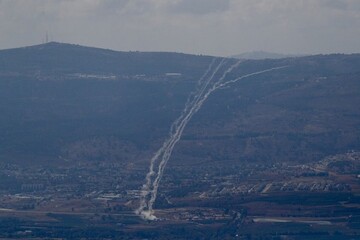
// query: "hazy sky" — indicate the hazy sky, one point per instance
point(217, 27)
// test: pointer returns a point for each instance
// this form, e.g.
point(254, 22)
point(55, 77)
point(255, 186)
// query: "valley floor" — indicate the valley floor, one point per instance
point(241, 201)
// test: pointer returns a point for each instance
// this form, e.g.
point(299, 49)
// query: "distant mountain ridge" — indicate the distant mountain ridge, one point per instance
point(58, 102)
point(258, 55)
point(66, 58)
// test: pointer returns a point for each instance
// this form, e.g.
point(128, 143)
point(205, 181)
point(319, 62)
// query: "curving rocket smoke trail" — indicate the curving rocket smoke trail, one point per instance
point(193, 104)
point(146, 189)
point(193, 98)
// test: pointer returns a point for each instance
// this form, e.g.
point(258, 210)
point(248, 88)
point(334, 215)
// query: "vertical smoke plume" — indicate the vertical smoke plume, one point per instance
point(206, 86)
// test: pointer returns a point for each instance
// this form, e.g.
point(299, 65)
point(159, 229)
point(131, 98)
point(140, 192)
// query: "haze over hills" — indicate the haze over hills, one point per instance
point(59, 100)
point(269, 153)
point(174, 140)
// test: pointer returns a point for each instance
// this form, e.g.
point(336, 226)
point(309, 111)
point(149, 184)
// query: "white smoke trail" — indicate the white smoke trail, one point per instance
point(193, 104)
point(146, 189)
point(166, 150)
point(201, 97)
point(193, 95)
point(220, 85)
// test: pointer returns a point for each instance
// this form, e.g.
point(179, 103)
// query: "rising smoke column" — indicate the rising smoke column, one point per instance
point(194, 103)
point(148, 187)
